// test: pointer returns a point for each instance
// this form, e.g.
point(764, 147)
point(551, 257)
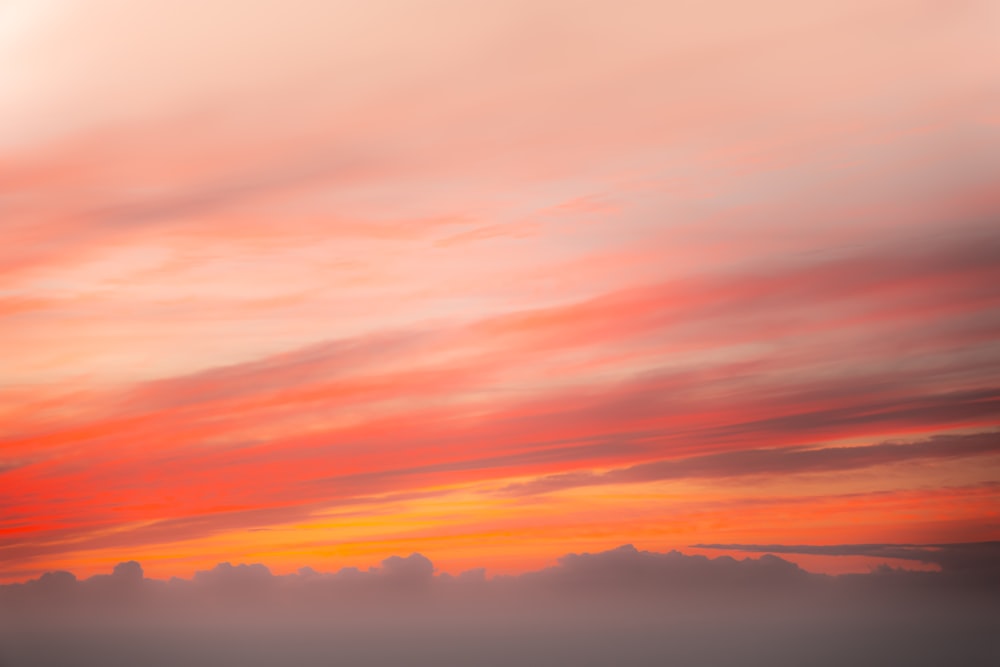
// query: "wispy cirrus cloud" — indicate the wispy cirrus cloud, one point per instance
point(673, 381)
point(777, 461)
point(428, 262)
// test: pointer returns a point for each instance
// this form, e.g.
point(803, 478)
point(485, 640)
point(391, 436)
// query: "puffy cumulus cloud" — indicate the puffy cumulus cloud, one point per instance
point(124, 577)
point(130, 571)
point(229, 583)
point(623, 606)
point(632, 571)
point(415, 568)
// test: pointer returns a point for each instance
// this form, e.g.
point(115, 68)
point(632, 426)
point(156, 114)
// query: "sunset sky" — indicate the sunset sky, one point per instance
point(316, 283)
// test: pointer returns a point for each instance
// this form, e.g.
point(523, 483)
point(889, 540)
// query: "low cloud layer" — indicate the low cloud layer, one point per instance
point(979, 559)
point(622, 606)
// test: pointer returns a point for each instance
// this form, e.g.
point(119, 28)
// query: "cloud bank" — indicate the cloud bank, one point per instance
point(622, 606)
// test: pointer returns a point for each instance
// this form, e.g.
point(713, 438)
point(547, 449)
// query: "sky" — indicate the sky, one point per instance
point(318, 284)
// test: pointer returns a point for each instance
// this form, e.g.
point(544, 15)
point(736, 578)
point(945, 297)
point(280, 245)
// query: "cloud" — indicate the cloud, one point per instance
point(639, 606)
point(978, 558)
point(626, 570)
point(778, 461)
